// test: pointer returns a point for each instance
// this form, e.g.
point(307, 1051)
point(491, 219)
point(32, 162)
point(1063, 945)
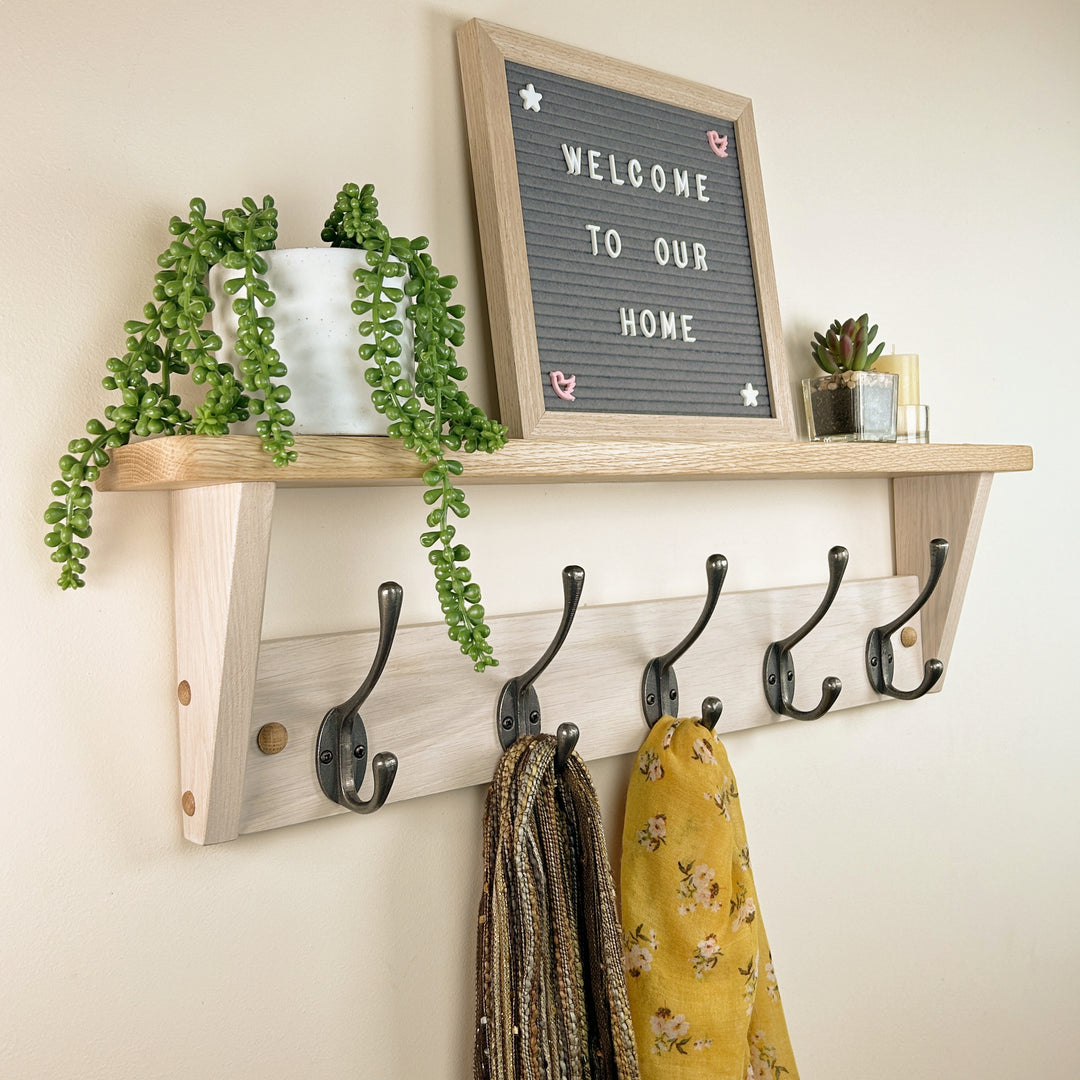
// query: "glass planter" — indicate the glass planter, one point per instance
point(851, 406)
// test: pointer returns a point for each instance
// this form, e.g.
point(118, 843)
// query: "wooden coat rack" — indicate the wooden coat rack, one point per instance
point(233, 686)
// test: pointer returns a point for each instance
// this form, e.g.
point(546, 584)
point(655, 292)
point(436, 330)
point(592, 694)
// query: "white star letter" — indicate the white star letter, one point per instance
point(530, 99)
point(749, 395)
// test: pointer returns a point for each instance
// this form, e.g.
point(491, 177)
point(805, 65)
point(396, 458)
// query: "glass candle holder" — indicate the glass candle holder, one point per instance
point(913, 423)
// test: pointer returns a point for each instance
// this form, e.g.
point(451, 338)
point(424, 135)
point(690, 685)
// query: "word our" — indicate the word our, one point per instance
point(663, 251)
point(575, 159)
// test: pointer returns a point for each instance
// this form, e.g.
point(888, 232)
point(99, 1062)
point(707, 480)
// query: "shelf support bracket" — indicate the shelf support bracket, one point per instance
point(950, 505)
point(221, 545)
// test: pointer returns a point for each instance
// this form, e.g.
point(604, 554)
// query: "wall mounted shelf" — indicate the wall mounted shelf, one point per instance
point(231, 684)
point(330, 460)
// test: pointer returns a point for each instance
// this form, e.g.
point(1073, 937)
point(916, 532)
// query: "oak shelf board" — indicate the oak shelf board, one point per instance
point(187, 461)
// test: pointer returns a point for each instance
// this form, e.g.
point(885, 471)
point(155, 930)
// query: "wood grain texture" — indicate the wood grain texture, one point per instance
point(952, 507)
point(772, 333)
point(333, 460)
point(221, 542)
point(502, 230)
point(510, 44)
point(442, 725)
point(483, 49)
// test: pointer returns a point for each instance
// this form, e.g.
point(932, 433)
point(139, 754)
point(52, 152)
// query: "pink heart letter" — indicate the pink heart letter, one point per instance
point(563, 385)
point(717, 142)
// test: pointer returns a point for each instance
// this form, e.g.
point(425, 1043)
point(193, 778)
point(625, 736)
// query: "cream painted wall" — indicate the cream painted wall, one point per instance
point(918, 863)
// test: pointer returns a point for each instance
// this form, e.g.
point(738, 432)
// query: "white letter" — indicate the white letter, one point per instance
point(593, 230)
point(633, 170)
point(682, 182)
point(594, 157)
point(680, 253)
point(628, 327)
point(659, 178)
point(613, 243)
point(699, 179)
point(685, 320)
point(573, 159)
point(699, 256)
point(648, 323)
point(667, 325)
point(660, 250)
point(614, 178)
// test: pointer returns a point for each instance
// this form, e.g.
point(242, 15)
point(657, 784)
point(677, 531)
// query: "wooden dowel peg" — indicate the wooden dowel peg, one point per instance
point(272, 738)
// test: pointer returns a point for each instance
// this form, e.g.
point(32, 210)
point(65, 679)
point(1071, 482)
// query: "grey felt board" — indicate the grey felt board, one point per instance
point(578, 296)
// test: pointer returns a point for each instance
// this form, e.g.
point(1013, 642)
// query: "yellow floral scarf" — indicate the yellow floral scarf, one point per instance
point(703, 994)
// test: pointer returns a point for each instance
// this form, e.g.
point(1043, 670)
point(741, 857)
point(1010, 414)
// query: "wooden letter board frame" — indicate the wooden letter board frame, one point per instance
point(485, 49)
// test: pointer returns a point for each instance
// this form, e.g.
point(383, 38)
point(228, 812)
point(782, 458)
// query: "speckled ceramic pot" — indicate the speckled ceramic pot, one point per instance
point(315, 331)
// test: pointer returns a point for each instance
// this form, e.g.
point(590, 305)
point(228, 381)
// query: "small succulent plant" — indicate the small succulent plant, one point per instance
point(844, 347)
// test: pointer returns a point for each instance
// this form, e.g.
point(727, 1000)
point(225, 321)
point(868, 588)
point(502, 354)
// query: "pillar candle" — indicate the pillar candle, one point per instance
point(906, 367)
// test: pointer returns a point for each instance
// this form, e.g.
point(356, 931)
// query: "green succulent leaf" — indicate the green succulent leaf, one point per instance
point(845, 346)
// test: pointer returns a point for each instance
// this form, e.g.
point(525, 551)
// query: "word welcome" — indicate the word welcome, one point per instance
point(575, 158)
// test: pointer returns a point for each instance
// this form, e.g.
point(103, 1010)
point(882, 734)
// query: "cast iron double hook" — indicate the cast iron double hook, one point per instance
point(879, 650)
point(659, 687)
point(341, 748)
point(779, 666)
point(518, 710)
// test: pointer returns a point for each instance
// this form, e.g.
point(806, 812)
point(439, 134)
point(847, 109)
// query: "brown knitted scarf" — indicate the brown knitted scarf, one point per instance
point(550, 990)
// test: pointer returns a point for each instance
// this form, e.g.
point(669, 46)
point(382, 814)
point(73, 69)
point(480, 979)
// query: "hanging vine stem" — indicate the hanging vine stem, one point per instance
point(450, 422)
point(260, 362)
point(169, 341)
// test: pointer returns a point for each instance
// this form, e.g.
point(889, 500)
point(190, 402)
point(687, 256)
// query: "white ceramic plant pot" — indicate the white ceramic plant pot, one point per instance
point(315, 331)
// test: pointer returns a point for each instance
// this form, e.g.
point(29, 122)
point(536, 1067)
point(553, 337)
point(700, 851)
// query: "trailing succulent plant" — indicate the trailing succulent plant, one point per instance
point(844, 347)
point(430, 413)
point(169, 340)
